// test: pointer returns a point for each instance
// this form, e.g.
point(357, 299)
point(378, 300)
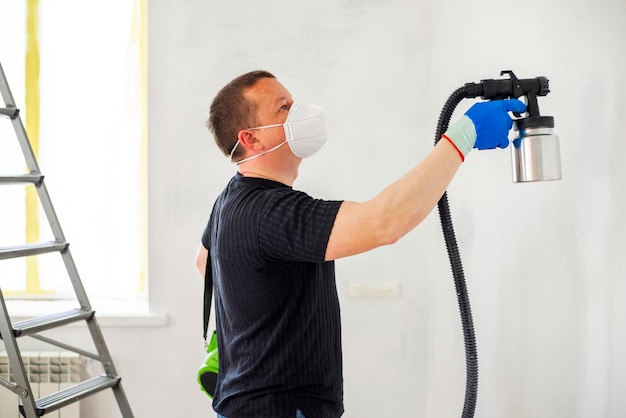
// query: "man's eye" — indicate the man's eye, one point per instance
point(284, 107)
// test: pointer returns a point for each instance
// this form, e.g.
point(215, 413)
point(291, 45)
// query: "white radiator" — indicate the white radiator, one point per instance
point(48, 372)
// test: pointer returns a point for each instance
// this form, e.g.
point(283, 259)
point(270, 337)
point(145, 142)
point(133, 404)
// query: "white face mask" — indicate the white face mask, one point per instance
point(305, 131)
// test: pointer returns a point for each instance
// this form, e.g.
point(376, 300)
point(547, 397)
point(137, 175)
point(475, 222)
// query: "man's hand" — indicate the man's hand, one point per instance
point(485, 125)
point(492, 122)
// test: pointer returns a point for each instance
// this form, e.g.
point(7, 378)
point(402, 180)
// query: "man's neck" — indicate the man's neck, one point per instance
point(275, 175)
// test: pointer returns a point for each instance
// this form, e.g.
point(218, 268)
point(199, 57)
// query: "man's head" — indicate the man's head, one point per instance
point(255, 116)
point(232, 110)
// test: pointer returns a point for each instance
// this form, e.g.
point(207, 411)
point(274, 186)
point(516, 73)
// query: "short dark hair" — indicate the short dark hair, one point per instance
point(231, 111)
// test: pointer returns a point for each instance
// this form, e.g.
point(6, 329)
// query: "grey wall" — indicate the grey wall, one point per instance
point(544, 262)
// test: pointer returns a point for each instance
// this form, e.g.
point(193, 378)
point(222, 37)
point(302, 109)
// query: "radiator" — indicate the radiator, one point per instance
point(48, 372)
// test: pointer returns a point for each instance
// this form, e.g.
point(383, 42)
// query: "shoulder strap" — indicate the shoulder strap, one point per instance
point(208, 293)
point(208, 273)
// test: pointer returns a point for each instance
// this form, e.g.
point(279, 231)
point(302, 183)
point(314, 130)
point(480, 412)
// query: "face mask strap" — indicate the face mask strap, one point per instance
point(251, 129)
point(265, 126)
point(233, 150)
point(258, 155)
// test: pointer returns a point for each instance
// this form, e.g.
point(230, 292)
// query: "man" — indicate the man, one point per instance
point(271, 249)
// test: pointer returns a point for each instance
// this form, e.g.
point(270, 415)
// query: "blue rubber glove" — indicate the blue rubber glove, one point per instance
point(493, 123)
point(485, 125)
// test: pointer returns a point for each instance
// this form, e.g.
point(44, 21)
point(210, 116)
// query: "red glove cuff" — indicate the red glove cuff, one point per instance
point(455, 147)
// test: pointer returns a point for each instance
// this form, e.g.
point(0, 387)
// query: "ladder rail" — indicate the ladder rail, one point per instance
point(109, 367)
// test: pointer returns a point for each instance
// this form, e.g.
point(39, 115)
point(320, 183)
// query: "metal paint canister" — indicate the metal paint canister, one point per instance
point(536, 154)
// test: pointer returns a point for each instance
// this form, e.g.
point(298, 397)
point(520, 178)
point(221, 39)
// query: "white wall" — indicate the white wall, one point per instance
point(544, 262)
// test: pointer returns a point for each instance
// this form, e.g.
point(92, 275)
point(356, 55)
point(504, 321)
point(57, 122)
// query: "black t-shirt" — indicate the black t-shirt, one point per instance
point(276, 303)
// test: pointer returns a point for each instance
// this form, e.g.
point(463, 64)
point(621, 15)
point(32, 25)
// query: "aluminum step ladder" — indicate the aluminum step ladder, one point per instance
point(10, 332)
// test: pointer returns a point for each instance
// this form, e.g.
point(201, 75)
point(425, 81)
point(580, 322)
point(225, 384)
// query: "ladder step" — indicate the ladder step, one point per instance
point(73, 394)
point(42, 323)
point(32, 249)
point(22, 178)
point(10, 112)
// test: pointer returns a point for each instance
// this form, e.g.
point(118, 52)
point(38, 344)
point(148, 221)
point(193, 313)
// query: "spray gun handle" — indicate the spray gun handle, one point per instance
point(518, 91)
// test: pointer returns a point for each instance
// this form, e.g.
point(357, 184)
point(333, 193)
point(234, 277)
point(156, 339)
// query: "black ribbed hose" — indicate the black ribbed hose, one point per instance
point(471, 357)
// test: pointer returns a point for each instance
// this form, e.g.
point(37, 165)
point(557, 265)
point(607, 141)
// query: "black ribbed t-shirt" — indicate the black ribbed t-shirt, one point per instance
point(276, 304)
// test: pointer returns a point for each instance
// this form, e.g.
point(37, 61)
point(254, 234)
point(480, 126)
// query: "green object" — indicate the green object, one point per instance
point(463, 134)
point(207, 375)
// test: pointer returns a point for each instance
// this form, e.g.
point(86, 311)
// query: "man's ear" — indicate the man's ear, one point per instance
point(248, 141)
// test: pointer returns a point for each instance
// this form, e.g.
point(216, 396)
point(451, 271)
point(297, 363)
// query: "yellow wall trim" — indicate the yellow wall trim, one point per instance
point(32, 128)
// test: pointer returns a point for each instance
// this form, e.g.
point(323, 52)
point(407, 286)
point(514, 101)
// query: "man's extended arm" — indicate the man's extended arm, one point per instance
point(362, 226)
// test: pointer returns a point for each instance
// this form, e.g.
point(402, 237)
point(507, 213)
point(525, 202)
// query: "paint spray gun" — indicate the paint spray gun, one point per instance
point(535, 152)
point(535, 157)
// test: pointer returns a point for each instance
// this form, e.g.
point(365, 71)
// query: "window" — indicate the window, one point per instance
point(77, 72)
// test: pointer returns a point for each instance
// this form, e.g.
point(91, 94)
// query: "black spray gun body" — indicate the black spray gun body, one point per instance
point(536, 157)
point(536, 150)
